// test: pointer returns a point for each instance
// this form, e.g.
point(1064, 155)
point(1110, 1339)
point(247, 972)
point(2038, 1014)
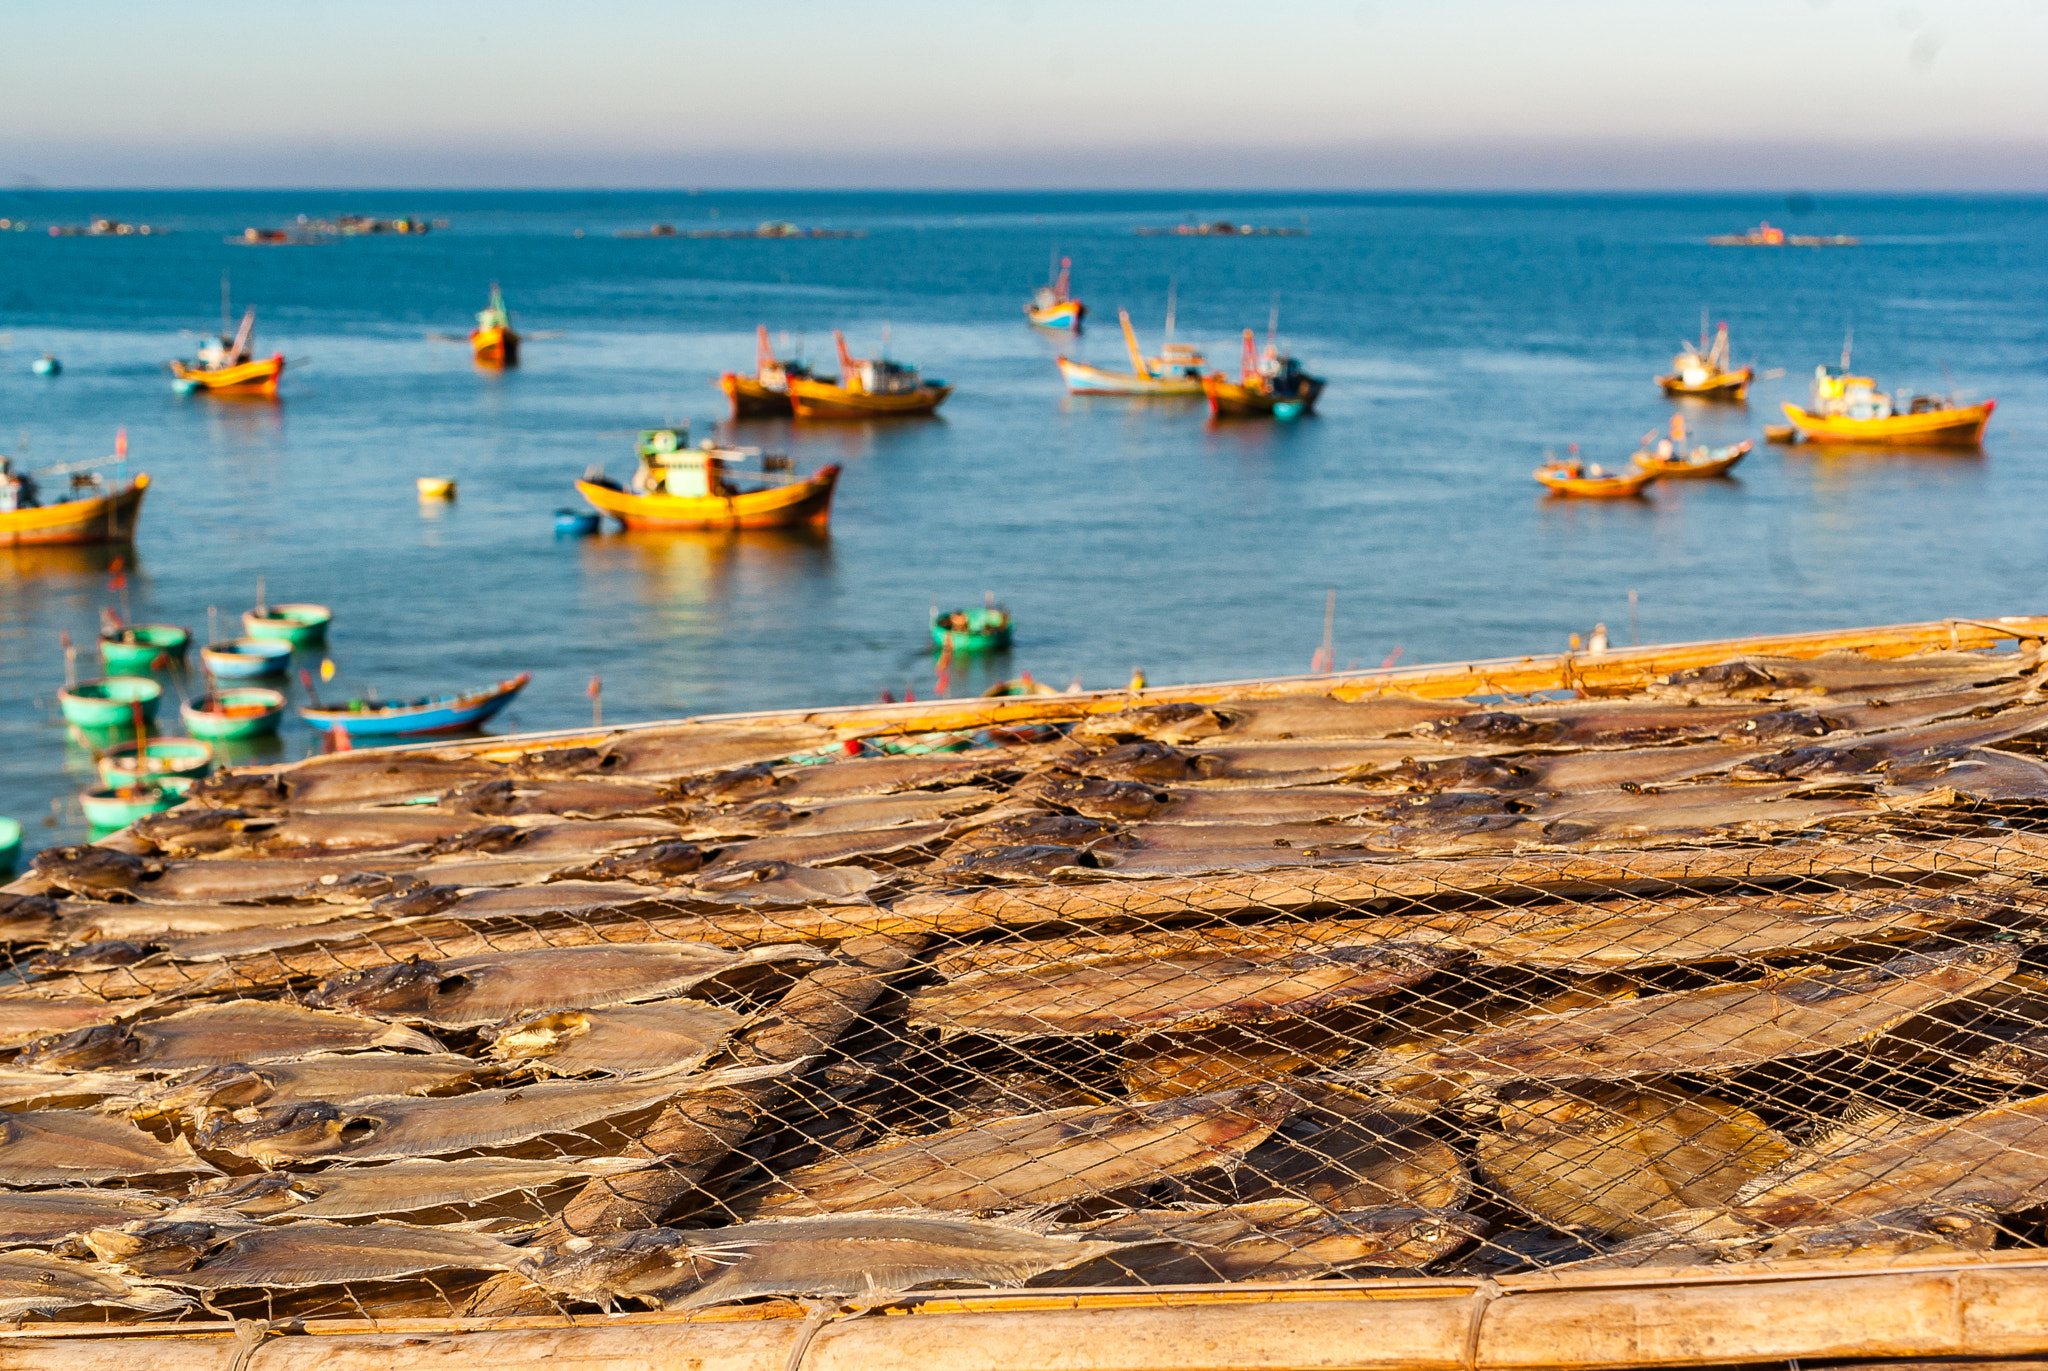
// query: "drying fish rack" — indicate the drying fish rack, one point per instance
point(1682, 1006)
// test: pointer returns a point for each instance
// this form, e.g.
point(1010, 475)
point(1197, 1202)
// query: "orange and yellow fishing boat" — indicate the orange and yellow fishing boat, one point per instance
point(229, 366)
point(765, 394)
point(1592, 483)
point(1851, 409)
point(682, 487)
point(868, 388)
point(1053, 306)
point(1702, 372)
point(493, 340)
point(1270, 385)
point(102, 514)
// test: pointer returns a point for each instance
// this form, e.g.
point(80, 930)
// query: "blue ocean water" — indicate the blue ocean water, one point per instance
point(1461, 336)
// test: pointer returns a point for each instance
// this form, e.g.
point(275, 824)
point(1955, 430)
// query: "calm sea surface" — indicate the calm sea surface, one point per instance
point(1462, 336)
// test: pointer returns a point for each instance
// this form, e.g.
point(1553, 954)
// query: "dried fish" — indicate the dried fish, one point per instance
point(798, 850)
point(1993, 1156)
point(54, 1146)
point(1163, 1065)
point(217, 1256)
point(89, 870)
point(1269, 1240)
point(779, 883)
point(656, 863)
point(217, 1035)
point(85, 922)
point(32, 1283)
point(698, 748)
point(39, 1218)
point(337, 1080)
point(1020, 861)
point(632, 1040)
point(25, 1018)
point(1716, 1028)
point(1005, 1094)
point(585, 797)
point(1368, 1159)
point(843, 1255)
point(1698, 1237)
point(1189, 989)
point(382, 1128)
point(26, 1087)
point(464, 992)
point(1035, 1158)
point(355, 1192)
point(1039, 830)
point(1612, 1158)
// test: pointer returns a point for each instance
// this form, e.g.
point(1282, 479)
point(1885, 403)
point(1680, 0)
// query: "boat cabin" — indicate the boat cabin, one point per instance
point(670, 466)
point(879, 376)
point(1177, 360)
point(1838, 395)
point(224, 352)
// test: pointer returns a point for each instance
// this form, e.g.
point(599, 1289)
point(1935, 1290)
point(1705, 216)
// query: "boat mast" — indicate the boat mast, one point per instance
point(1273, 324)
point(1848, 342)
point(1131, 341)
point(1169, 308)
point(224, 310)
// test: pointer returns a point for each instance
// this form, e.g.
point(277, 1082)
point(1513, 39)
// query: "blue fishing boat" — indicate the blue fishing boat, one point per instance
point(246, 659)
point(576, 523)
point(408, 718)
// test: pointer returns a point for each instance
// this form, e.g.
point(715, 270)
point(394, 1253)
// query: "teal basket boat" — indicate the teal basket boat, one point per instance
point(107, 810)
point(242, 659)
point(162, 760)
point(972, 630)
point(234, 712)
point(10, 847)
point(110, 703)
point(139, 649)
point(299, 625)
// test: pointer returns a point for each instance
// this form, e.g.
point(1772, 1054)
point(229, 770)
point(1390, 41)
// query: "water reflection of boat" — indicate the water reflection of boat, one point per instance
point(683, 487)
point(1703, 372)
point(868, 388)
point(765, 394)
point(493, 340)
point(1177, 370)
point(1851, 409)
point(411, 718)
point(1053, 306)
point(1270, 385)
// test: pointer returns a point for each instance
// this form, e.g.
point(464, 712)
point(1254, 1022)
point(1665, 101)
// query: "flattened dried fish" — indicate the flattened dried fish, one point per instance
point(210, 1256)
point(1699, 1237)
point(1160, 1066)
point(1362, 1161)
point(31, 1283)
point(217, 1035)
point(656, 863)
point(1190, 989)
point(91, 922)
point(38, 1218)
point(1996, 1156)
point(491, 987)
point(1035, 1158)
point(90, 869)
point(1717, 1028)
point(800, 849)
point(693, 748)
point(845, 1255)
point(53, 1146)
point(23, 1087)
point(354, 1192)
point(779, 883)
point(631, 1040)
point(1612, 1158)
point(25, 1018)
point(338, 1080)
point(383, 1128)
point(1270, 1240)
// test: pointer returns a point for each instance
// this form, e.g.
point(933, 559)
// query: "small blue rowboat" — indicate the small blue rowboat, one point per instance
point(407, 718)
point(10, 846)
point(47, 365)
point(576, 523)
point(246, 659)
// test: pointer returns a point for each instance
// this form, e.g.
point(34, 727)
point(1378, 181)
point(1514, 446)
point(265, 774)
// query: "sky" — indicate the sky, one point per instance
point(1311, 94)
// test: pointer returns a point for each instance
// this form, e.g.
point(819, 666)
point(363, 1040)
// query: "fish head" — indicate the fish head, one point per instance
point(1995, 960)
point(484, 797)
point(101, 956)
point(190, 831)
point(259, 1196)
point(565, 762)
point(1781, 723)
point(85, 1049)
point(1458, 773)
point(648, 1263)
point(288, 1133)
point(361, 885)
point(1140, 761)
point(650, 863)
point(243, 791)
point(86, 868)
point(159, 1247)
point(1098, 798)
point(1737, 678)
point(409, 989)
point(235, 1086)
point(1491, 726)
point(488, 838)
point(1166, 723)
point(1024, 861)
point(728, 787)
point(417, 901)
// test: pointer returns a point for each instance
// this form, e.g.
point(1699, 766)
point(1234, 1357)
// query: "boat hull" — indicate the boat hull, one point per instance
point(452, 715)
point(805, 502)
point(108, 811)
point(822, 400)
point(1229, 400)
point(1723, 385)
point(246, 659)
point(752, 400)
point(1693, 471)
point(234, 712)
point(1066, 315)
point(495, 347)
point(157, 760)
point(142, 648)
point(249, 378)
point(110, 702)
point(102, 519)
point(299, 625)
point(1083, 379)
point(1940, 428)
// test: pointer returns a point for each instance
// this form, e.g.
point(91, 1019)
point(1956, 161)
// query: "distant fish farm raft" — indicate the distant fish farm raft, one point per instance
point(1223, 228)
point(1442, 1009)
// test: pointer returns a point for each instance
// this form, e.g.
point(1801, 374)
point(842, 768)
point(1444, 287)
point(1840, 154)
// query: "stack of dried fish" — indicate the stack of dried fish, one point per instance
point(1745, 965)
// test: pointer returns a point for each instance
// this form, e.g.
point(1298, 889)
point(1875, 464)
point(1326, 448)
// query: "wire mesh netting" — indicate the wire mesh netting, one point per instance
point(1743, 966)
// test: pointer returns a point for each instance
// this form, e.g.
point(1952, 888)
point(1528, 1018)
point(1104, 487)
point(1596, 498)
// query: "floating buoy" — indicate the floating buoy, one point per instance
point(46, 365)
point(436, 487)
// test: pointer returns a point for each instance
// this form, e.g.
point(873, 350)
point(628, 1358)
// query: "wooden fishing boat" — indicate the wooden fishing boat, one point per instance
point(1053, 306)
point(110, 702)
point(1700, 462)
point(246, 659)
point(134, 649)
point(299, 625)
point(229, 366)
point(409, 718)
point(765, 394)
point(868, 388)
point(1270, 385)
point(1851, 409)
point(1703, 372)
point(971, 630)
point(683, 487)
point(154, 762)
point(106, 515)
point(1572, 478)
point(231, 713)
point(1176, 371)
point(493, 340)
